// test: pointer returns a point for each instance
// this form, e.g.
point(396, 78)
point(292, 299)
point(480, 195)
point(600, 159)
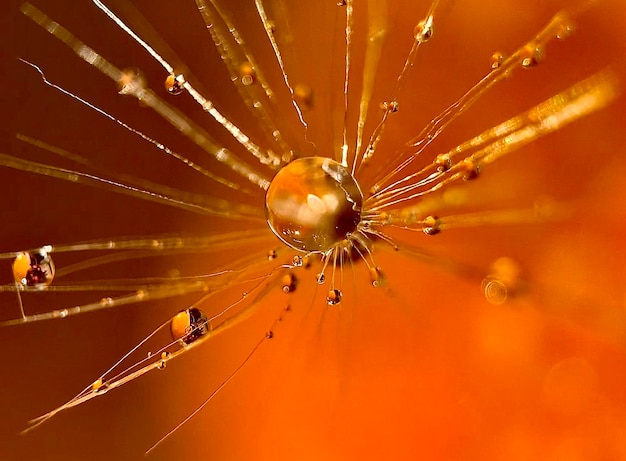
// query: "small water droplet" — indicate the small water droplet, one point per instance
point(432, 225)
point(390, 107)
point(532, 55)
point(424, 30)
point(377, 277)
point(496, 59)
point(565, 26)
point(175, 84)
point(334, 297)
point(303, 94)
point(289, 283)
point(320, 278)
point(443, 162)
point(163, 362)
point(247, 73)
point(471, 168)
point(106, 301)
point(189, 325)
point(131, 81)
point(495, 291)
point(33, 269)
point(62, 313)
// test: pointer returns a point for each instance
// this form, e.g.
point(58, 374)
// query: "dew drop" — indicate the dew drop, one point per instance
point(298, 261)
point(61, 314)
point(566, 26)
point(533, 54)
point(472, 170)
point(443, 162)
point(289, 283)
point(303, 94)
point(432, 225)
point(320, 278)
point(189, 325)
point(106, 301)
point(390, 107)
point(496, 59)
point(33, 269)
point(97, 384)
point(175, 84)
point(377, 277)
point(271, 255)
point(247, 73)
point(334, 297)
point(313, 203)
point(162, 363)
point(132, 82)
point(495, 291)
point(424, 30)
point(269, 334)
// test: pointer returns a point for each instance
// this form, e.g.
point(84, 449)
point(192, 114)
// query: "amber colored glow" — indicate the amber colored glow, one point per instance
point(422, 367)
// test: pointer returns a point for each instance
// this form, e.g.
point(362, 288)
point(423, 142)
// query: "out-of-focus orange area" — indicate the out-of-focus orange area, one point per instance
point(423, 367)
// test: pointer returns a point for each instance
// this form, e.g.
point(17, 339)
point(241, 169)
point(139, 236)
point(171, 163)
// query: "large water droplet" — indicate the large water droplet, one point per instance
point(313, 203)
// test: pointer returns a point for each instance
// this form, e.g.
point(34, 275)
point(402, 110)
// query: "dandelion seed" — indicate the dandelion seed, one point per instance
point(466, 307)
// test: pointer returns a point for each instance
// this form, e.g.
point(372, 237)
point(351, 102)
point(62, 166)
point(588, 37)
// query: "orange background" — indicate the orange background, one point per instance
point(424, 367)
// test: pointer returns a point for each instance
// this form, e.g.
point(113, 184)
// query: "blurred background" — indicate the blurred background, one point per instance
point(422, 367)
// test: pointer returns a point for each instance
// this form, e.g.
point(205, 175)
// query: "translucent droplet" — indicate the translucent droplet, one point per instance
point(533, 54)
point(424, 30)
point(131, 82)
point(163, 361)
point(289, 283)
point(189, 325)
point(496, 59)
point(495, 291)
point(106, 301)
point(334, 297)
point(175, 84)
point(33, 269)
point(502, 281)
point(471, 168)
point(313, 203)
point(320, 278)
point(303, 94)
point(96, 385)
point(247, 74)
point(61, 314)
point(431, 225)
point(391, 107)
point(565, 27)
point(269, 334)
point(298, 261)
point(271, 255)
point(443, 162)
point(377, 277)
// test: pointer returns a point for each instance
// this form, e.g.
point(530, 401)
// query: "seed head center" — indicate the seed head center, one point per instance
point(313, 203)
